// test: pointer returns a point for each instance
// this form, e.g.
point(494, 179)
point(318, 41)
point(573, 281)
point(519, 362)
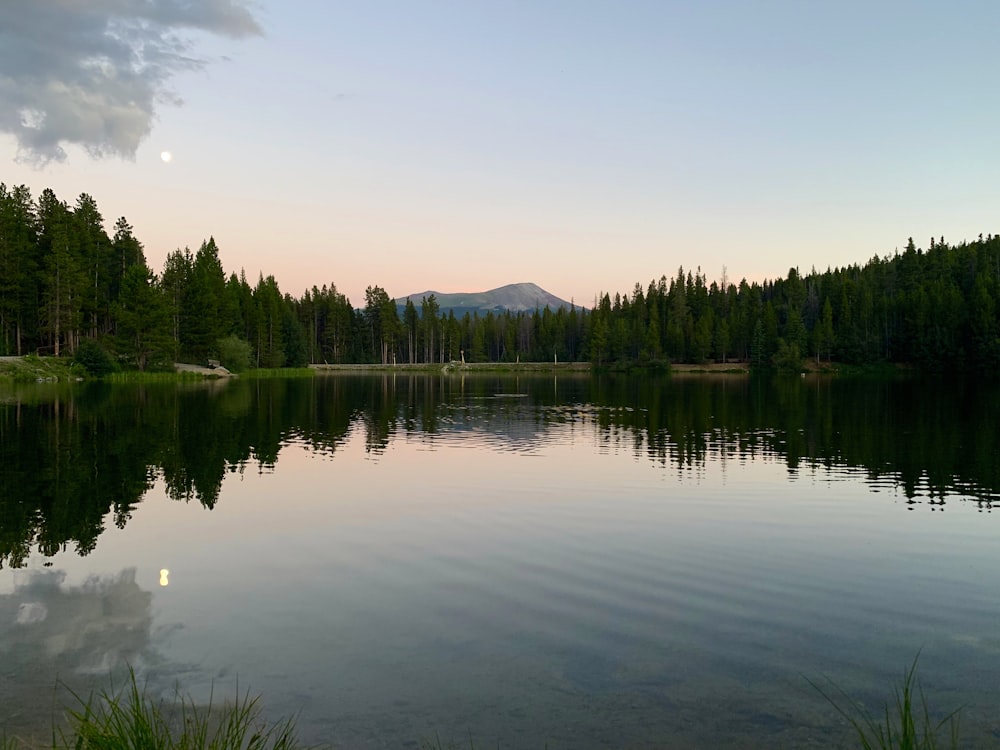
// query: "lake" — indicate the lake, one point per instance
point(561, 561)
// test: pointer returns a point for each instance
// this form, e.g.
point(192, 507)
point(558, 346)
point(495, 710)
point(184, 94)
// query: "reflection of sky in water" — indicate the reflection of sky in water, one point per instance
point(87, 628)
point(56, 637)
point(595, 596)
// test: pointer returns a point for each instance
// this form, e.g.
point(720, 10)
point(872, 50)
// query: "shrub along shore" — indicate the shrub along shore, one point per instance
point(33, 368)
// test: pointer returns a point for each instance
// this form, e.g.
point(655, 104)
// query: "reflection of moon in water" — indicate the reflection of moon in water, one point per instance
point(166, 156)
point(163, 577)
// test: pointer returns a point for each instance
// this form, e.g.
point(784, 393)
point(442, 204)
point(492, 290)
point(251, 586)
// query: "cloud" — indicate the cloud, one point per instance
point(93, 73)
point(46, 626)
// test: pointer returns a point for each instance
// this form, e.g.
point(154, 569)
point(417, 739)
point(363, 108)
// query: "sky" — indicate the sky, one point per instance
point(459, 145)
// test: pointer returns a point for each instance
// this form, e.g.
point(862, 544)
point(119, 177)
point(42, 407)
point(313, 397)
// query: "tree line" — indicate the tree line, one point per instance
point(66, 284)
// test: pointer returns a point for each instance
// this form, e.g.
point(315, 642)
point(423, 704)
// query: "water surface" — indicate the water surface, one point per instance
point(574, 562)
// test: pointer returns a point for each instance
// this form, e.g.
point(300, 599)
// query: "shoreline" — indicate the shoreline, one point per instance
point(32, 368)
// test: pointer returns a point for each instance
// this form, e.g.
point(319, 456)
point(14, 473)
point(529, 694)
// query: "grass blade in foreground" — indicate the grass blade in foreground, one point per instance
point(905, 726)
point(129, 719)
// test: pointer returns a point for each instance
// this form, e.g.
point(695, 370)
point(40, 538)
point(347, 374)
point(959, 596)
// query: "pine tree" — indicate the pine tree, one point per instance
point(270, 312)
point(96, 264)
point(143, 319)
point(202, 320)
point(410, 321)
point(175, 281)
point(18, 268)
point(61, 276)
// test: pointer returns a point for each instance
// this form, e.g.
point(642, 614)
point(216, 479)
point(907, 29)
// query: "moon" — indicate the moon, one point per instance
point(166, 156)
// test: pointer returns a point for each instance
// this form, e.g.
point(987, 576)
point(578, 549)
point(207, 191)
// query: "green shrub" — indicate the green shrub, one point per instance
point(234, 353)
point(787, 359)
point(94, 359)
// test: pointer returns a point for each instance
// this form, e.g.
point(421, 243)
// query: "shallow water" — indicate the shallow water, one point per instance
point(568, 562)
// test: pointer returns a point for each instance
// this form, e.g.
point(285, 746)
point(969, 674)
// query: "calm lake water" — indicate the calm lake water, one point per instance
point(561, 562)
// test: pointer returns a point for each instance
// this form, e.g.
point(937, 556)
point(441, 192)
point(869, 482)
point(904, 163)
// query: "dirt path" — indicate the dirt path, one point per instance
point(220, 371)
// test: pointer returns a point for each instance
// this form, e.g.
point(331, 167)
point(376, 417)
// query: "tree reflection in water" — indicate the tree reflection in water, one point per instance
point(74, 459)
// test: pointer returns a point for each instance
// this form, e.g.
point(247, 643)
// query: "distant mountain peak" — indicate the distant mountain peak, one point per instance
point(524, 296)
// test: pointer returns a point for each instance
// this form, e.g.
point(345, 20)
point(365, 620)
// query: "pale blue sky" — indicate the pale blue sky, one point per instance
point(584, 146)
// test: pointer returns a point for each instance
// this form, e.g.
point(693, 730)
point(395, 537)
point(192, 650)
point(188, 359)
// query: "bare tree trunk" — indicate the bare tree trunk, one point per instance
point(58, 312)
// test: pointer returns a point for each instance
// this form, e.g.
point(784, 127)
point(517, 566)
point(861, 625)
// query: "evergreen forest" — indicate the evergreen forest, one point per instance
point(68, 287)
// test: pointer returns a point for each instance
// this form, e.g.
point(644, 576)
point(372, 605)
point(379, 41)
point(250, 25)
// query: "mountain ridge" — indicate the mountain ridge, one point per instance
point(519, 297)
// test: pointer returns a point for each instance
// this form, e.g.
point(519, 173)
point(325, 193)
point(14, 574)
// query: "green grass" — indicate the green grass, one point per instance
point(162, 376)
point(905, 724)
point(32, 368)
point(129, 719)
point(279, 372)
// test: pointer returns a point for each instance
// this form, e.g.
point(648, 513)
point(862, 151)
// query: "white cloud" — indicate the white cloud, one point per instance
point(93, 73)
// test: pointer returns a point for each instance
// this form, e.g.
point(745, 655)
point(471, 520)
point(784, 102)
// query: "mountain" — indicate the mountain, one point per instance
point(513, 297)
